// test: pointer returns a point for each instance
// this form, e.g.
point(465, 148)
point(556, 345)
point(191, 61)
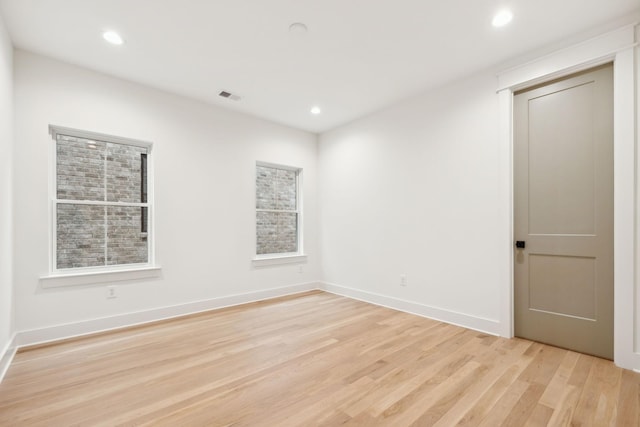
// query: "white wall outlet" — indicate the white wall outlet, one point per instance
point(111, 292)
point(403, 280)
point(300, 269)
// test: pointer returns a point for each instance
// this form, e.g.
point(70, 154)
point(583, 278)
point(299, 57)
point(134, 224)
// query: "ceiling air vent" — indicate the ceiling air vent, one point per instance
point(231, 96)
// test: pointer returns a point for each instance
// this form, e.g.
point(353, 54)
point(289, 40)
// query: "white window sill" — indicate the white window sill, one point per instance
point(264, 261)
point(80, 278)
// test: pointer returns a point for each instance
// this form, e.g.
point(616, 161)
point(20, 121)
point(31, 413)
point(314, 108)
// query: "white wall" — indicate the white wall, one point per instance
point(204, 191)
point(423, 189)
point(6, 142)
point(414, 190)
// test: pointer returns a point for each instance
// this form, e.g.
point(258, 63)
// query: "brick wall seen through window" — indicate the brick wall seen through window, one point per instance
point(101, 206)
point(277, 213)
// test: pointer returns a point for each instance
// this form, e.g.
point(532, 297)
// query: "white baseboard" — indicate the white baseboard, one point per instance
point(634, 363)
point(76, 329)
point(488, 326)
point(6, 356)
point(71, 330)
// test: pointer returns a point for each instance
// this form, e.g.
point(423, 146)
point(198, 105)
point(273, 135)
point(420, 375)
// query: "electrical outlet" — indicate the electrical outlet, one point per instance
point(403, 280)
point(300, 269)
point(111, 292)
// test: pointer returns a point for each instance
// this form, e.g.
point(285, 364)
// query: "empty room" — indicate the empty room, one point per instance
point(305, 213)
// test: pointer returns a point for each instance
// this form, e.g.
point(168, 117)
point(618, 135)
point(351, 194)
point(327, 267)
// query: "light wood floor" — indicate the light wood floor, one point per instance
point(312, 359)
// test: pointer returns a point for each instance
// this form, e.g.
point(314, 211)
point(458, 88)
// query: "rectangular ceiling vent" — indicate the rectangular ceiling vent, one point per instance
point(229, 95)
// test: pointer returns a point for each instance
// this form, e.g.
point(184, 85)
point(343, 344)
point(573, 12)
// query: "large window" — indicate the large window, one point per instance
point(278, 216)
point(100, 201)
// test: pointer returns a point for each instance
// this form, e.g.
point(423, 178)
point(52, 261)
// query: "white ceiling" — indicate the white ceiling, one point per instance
point(357, 57)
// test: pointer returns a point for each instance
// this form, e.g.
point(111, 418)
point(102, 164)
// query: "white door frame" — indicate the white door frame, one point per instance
point(619, 47)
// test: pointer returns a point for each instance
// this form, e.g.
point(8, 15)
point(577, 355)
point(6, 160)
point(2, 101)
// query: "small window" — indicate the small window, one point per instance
point(100, 201)
point(278, 215)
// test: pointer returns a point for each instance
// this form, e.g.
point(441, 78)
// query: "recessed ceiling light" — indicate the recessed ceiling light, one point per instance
point(502, 18)
point(112, 37)
point(316, 110)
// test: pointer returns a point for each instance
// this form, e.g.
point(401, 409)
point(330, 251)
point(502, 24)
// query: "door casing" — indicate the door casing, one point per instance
point(619, 47)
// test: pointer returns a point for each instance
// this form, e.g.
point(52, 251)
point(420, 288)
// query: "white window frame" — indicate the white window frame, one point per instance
point(105, 273)
point(299, 256)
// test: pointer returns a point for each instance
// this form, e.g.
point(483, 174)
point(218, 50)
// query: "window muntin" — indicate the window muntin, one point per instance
point(101, 207)
point(278, 215)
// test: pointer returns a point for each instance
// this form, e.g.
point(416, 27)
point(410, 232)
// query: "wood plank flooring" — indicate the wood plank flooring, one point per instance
point(313, 359)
